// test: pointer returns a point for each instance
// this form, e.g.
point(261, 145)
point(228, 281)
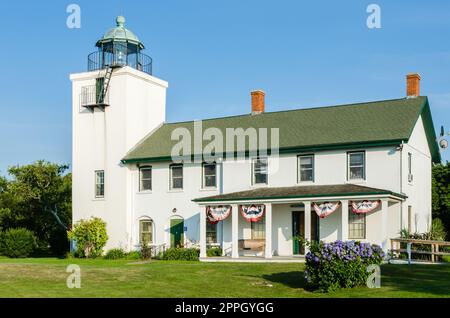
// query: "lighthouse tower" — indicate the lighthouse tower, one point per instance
point(115, 104)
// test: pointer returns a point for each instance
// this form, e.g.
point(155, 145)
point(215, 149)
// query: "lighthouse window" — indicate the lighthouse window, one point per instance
point(99, 183)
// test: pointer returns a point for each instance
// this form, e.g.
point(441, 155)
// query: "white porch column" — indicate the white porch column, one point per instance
point(203, 232)
point(234, 231)
point(384, 224)
point(268, 250)
point(344, 220)
point(307, 223)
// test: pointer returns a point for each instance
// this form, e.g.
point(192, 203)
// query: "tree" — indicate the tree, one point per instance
point(38, 198)
point(441, 194)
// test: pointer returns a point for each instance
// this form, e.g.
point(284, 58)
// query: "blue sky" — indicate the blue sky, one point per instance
point(213, 53)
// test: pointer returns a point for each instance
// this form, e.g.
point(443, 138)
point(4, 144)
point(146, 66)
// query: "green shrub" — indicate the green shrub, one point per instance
point(330, 266)
point(134, 255)
point(146, 250)
point(437, 232)
point(181, 254)
point(115, 253)
point(90, 237)
point(214, 251)
point(17, 243)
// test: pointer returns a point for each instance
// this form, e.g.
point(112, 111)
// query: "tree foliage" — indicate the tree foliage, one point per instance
point(38, 197)
point(441, 194)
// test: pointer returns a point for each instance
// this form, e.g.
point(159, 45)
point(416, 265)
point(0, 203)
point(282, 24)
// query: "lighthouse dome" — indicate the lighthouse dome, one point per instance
point(120, 34)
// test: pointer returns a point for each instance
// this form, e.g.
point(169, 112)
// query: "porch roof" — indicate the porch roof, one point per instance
point(309, 191)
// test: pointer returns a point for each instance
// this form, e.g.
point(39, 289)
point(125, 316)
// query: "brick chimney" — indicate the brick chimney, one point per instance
point(257, 101)
point(412, 85)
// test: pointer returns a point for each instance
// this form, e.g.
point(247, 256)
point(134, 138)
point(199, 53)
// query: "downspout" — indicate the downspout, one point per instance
point(221, 192)
point(401, 184)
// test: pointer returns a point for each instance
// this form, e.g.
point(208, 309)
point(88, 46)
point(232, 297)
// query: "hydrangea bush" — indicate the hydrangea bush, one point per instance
point(330, 266)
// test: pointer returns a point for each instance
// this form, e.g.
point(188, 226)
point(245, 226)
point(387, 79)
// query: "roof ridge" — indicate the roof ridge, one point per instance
point(294, 110)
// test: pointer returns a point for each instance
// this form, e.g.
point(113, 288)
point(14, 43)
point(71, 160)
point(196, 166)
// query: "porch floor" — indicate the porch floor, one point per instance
point(254, 259)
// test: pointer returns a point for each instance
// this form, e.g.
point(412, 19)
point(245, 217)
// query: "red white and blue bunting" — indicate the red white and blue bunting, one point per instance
point(324, 209)
point(364, 206)
point(217, 213)
point(253, 213)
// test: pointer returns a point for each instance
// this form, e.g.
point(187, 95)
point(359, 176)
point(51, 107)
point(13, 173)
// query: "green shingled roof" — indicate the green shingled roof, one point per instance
point(377, 123)
point(265, 193)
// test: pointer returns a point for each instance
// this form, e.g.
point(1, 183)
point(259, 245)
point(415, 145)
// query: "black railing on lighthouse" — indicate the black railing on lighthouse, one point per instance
point(100, 60)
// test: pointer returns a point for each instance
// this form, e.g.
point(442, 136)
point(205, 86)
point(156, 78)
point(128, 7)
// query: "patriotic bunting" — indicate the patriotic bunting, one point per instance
point(252, 213)
point(217, 213)
point(365, 206)
point(324, 209)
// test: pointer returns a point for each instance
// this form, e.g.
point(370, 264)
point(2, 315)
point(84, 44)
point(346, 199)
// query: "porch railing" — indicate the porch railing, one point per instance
point(158, 250)
point(402, 245)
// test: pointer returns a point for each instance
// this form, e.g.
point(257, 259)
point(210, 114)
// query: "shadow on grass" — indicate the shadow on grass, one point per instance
point(293, 279)
point(431, 279)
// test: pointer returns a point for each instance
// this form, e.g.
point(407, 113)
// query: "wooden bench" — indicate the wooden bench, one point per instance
point(252, 245)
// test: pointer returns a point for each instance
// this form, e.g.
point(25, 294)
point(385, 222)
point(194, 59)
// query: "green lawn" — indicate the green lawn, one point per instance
point(105, 278)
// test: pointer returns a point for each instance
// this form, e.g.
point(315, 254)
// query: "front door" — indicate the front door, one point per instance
point(298, 231)
point(176, 232)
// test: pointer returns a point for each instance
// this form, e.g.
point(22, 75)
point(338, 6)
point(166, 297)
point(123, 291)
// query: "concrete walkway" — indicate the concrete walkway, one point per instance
point(254, 259)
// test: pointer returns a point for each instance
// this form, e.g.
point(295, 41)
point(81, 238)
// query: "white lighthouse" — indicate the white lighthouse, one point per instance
point(115, 103)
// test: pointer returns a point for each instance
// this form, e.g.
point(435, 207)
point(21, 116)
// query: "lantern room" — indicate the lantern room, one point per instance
point(119, 47)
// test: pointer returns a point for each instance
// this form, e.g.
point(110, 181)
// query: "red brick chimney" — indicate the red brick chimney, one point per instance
point(258, 101)
point(412, 85)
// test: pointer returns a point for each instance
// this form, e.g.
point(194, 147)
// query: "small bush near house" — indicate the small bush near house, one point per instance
point(214, 251)
point(146, 250)
point(437, 232)
point(115, 253)
point(181, 254)
point(17, 243)
point(90, 236)
point(330, 266)
point(134, 255)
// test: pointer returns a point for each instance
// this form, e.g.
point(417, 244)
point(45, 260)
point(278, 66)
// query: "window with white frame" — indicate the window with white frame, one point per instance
point(99, 183)
point(305, 168)
point(176, 177)
point(209, 173)
point(356, 165)
point(146, 231)
point(211, 233)
point(145, 178)
point(258, 229)
point(356, 225)
point(259, 167)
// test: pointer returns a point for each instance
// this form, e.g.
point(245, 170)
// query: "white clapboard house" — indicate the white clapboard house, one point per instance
point(347, 172)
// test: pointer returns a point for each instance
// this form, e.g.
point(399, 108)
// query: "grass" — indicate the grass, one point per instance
point(46, 277)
